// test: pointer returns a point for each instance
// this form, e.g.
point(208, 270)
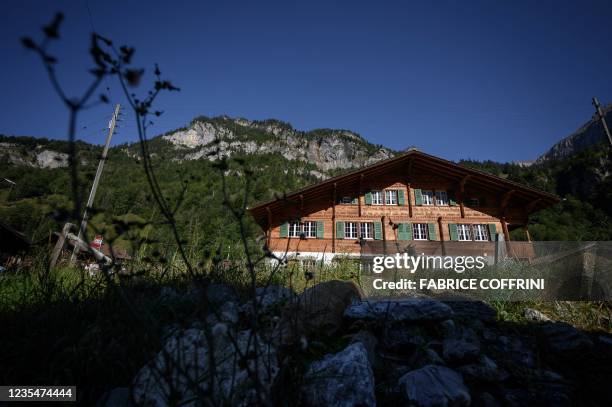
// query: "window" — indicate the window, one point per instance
point(463, 232)
point(306, 229)
point(309, 264)
point(348, 200)
point(473, 202)
point(481, 233)
point(427, 197)
point(377, 198)
point(441, 198)
point(294, 229)
point(366, 230)
point(309, 229)
point(419, 231)
point(350, 230)
point(390, 197)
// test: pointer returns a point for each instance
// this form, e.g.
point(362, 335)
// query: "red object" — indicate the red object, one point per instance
point(97, 242)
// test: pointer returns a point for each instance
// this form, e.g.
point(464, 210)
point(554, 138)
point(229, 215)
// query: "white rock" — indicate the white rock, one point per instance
point(180, 373)
point(341, 379)
point(51, 159)
point(435, 386)
point(535, 315)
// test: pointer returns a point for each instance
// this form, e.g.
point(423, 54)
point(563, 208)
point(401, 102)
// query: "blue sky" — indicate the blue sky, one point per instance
point(458, 79)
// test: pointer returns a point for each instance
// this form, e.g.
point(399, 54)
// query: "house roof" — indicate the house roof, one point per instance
point(413, 158)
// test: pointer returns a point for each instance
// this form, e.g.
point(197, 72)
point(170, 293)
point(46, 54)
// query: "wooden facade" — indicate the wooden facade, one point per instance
point(467, 197)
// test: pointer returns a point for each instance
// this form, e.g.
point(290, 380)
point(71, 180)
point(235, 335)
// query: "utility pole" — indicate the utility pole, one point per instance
point(602, 118)
point(94, 187)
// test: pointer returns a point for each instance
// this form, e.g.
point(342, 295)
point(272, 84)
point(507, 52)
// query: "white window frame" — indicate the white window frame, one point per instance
point(464, 232)
point(480, 233)
point(427, 197)
point(390, 196)
point(366, 230)
point(295, 229)
point(377, 198)
point(420, 231)
point(350, 230)
point(310, 228)
point(441, 198)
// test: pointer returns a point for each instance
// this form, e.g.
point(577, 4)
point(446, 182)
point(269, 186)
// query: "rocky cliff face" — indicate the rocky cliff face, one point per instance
point(327, 149)
point(588, 135)
point(38, 157)
point(210, 138)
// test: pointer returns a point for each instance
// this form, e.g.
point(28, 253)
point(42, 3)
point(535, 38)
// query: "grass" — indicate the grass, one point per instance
point(66, 327)
point(585, 315)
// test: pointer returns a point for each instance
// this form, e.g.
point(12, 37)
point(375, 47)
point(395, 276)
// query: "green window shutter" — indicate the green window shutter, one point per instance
point(355, 201)
point(418, 197)
point(492, 231)
point(431, 229)
point(451, 198)
point(401, 232)
point(368, 198)
point(319, 229)
point(400, 197)
point(339, 230)
point(452, 228)
point(404, 231)
point(377, 230)
point(284, 229)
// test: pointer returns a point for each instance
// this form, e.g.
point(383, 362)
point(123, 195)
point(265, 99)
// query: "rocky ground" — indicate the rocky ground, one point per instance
point(330, 346)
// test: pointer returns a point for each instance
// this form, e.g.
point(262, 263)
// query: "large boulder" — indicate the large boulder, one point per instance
point(181, 374)
point(434, 386)
point(321, 307)
point(341, 379)
point(270, 297)
point(406, 310)
point(370, 343)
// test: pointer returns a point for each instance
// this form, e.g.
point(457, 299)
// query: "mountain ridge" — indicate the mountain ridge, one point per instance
point(586, 136)
point(327, 149)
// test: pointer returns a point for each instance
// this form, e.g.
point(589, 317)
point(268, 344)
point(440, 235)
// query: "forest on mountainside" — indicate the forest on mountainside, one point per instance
point(41, 200)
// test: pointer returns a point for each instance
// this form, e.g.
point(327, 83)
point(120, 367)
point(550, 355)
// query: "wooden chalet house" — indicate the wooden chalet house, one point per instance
point(414, 201)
